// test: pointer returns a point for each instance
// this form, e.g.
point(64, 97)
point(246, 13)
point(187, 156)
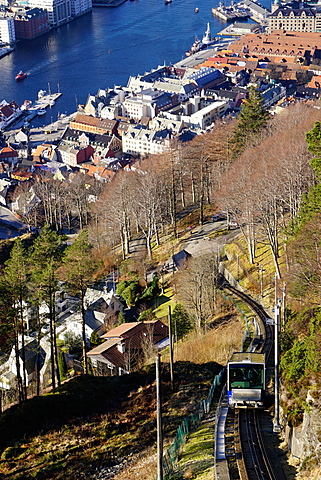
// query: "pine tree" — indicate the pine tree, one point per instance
point(251, 121)
point(79, 268)
point(313, 139)
point(16, 277)
point(311, 201)
point(45, 260)
point(181, 320)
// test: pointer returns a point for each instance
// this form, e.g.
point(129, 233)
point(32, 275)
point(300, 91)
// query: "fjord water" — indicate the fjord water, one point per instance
point(102, 49)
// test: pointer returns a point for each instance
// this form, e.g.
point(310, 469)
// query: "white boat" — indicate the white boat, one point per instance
point(26, 104)
point(41, 111)
point(196, 47)
point(41, 93)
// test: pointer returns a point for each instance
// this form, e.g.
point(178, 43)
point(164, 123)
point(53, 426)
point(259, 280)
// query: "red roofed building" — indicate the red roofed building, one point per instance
point(8, 113)
point(125, 346)
point(8, 155)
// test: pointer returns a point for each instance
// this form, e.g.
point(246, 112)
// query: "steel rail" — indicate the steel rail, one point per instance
point(253, 462)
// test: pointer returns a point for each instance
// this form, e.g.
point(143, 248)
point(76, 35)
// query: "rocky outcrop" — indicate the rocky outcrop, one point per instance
point(304, 442)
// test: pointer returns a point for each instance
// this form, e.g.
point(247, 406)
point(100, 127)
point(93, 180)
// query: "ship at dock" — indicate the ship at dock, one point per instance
point(231, 13)
point(198, 44)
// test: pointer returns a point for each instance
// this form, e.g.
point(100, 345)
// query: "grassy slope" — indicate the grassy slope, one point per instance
point(95, 422)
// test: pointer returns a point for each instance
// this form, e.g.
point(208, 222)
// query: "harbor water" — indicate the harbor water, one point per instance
point(102, 49)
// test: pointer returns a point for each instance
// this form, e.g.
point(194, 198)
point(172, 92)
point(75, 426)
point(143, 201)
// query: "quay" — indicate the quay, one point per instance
point(107, 3)
point(45, 100)
point(230, 14)
point(241, 11)
point(32, 110)
point(5, 51)
point(237, 29)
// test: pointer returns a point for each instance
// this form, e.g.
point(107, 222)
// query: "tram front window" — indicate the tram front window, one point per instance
point(246, 376)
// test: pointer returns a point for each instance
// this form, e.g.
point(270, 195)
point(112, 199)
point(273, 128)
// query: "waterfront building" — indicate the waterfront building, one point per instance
point(59, 11)
point(7, 31)
point(80, 7)
point(279, 47)
point(31, 23)
point(9, 112)
point(258, 12)
point(294, 17)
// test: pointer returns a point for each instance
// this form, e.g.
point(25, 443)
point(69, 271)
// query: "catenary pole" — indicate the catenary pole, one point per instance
point(276, 424)
point(171, 355)
point(159, 422)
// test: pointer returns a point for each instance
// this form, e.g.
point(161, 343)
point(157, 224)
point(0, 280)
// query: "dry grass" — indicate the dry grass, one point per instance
point(142, 467)
point(216, 345)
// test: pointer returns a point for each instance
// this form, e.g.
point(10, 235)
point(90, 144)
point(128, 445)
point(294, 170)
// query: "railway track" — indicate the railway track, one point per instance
point(266, 345)
point(246, 446)
point(255, 458)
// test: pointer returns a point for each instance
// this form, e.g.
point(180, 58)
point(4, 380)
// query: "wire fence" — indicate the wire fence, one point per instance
point(189, 424)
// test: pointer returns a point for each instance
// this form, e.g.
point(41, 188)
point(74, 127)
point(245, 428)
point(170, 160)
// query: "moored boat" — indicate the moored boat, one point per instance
point(41, 111)
point(196, 47)
point(20, 76)
point(26, 104)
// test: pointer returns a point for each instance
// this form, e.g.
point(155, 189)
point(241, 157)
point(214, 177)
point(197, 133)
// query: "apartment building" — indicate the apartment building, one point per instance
point(31, 23)
point(7, 31)
point(59, 11)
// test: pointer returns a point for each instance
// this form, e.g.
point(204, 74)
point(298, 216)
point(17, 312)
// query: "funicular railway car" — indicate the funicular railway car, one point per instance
point(246, 380)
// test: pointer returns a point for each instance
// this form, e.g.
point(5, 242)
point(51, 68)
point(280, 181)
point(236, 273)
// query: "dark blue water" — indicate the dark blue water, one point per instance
point(102, 49)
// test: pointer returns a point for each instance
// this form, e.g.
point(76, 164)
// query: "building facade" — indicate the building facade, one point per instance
point(31, 23)
point(59, 11)
point(7, 31)
point(79, 7)
point(299, 19)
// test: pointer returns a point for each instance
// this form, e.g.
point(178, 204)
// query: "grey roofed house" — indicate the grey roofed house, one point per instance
point(178, 86)
point(95, 139)
point(186, 136)
point(273, 94)
point(180, 259)
point(206, 77)
point(31, 355)
point(250, 27)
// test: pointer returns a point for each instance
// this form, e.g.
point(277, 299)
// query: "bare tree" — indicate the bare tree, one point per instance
point(197, 286)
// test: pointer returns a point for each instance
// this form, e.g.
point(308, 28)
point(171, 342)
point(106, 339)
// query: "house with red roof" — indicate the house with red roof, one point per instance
point(8, 113)
point(126, 345)
point(9, 155)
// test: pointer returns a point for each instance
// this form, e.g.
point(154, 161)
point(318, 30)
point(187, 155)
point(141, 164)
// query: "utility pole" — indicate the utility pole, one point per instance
point(283, 290)
point(171, 354)
point(159, 422)
point(276, 423)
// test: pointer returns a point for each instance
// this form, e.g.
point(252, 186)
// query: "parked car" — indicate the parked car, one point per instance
point(233, 224)
point(218, 217)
